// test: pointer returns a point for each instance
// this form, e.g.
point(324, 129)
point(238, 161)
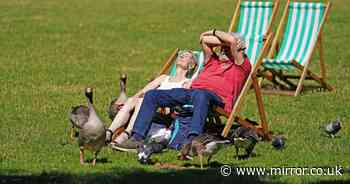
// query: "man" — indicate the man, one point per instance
point(219, 84)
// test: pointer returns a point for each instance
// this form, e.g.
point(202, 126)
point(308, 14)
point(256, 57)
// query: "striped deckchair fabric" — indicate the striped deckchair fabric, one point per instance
point(254, 21)
point(300, 37)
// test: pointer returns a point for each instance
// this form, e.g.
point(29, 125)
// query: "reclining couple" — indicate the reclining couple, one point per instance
point(218, 84)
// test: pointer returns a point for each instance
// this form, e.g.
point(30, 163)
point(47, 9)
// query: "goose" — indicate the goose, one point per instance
point(203, 145)
point(92, 131)
point(117, 103)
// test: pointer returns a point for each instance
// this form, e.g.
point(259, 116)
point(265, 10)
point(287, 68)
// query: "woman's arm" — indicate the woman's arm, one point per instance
point(152, 85)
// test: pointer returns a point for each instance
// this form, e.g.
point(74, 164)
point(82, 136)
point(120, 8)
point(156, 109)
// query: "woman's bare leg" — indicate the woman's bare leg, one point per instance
point(123, 115)
point(134, 115)
point(125, 135)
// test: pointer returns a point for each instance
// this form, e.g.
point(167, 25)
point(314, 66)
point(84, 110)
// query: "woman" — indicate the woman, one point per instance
point(185, 64)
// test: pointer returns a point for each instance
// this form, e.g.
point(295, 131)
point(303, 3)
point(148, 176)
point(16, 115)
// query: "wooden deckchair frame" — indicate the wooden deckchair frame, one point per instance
point(305, 72)
point(235, 116)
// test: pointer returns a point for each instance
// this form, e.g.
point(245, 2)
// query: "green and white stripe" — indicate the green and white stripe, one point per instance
point(253, 24)
point(303, 26)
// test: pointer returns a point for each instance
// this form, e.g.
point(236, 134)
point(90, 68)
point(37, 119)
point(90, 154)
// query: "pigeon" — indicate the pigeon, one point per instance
point(333, 128)
point(278, 142)
point(117, 103)
point(145, 151)
point(92, 131)
point(245, 138)
point(203, 145)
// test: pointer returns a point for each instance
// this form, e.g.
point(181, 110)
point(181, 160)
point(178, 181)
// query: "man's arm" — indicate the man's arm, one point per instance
point(231, 41)
point(208, 41)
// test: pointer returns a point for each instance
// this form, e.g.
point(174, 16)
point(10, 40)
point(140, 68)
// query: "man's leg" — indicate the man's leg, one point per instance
point(201, 100)
point(152, 100)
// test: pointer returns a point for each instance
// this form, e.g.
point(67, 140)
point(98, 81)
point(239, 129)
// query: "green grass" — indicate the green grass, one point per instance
point(51, 50)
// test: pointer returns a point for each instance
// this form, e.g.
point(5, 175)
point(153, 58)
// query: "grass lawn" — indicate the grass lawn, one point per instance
point(50, 50)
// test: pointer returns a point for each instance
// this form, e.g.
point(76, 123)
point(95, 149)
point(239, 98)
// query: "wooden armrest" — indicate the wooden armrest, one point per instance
point(221, 111)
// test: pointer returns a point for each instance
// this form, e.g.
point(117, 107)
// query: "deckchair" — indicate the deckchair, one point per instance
point(234, 116)
point(255, 22)
point(302, 33)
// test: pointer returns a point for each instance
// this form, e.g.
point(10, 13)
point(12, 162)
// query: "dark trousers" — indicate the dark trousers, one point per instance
point(201, 100)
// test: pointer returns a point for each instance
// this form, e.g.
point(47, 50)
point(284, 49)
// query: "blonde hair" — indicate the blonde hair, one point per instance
point(193, 64)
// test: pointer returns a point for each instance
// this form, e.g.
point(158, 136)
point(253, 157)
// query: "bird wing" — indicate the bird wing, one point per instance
point(242, 142)
point(204, 138)
point(79, 115)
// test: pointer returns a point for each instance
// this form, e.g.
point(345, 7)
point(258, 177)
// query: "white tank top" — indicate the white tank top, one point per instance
point(166, 84)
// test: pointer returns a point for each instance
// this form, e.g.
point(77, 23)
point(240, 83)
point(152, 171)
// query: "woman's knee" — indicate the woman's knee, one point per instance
point(151, 94)
point(129, 104)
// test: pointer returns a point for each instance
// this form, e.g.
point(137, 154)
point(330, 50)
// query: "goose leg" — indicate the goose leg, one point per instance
point(201, 160)
point(72, 135)
point(82, 156)
point(208, 161)
point(95, 158)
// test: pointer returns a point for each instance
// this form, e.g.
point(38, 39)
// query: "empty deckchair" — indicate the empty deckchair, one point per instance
point(302, 33)
point(255, 20)
point(235, 116)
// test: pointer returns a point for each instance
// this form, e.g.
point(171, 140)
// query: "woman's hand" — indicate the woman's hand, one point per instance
point(187, 84)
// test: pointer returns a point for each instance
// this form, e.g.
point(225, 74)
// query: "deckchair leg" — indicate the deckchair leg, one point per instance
point(320, 52)
point(281, 76)
point(260, 107)
point(312, 75)
point(263, 130)
point(270, 76)
point(288, 88)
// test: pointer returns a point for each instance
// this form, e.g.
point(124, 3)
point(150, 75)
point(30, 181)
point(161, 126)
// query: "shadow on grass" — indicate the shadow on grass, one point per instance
point(137, 175)
point(331, 182)
point(118, 175)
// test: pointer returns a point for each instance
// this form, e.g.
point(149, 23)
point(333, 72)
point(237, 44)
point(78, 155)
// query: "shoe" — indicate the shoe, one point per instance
point(121, 138)
point(129, 145)
point(109, 135)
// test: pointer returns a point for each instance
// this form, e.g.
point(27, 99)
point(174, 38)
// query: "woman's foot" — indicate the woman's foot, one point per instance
point(121, 138)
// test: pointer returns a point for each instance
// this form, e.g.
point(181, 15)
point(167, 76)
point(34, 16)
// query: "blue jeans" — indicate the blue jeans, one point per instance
point(199, 98)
